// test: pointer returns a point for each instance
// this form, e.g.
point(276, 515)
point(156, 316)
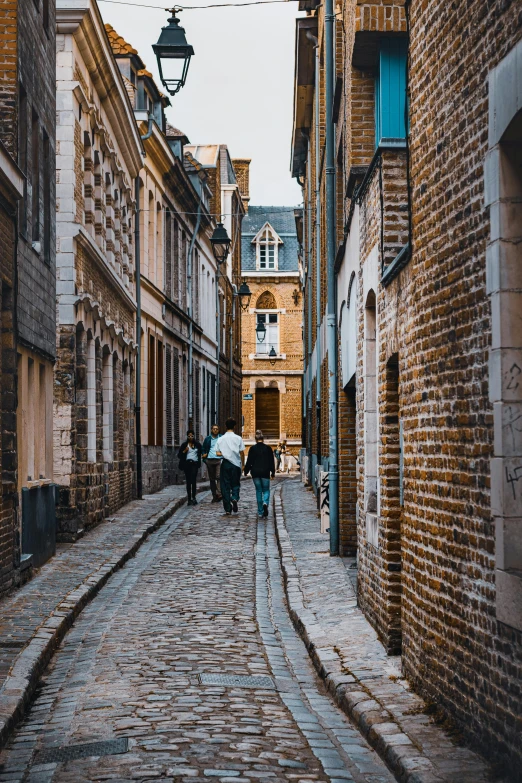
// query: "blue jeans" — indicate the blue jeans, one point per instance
point(262, 492)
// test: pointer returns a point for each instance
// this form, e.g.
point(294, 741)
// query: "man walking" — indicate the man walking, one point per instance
point(212, 461)
point(189, 455)
point(261, 465)
point(232, 450)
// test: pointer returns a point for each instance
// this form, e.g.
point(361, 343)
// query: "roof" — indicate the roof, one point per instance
point(118, 44)
point(282, 220)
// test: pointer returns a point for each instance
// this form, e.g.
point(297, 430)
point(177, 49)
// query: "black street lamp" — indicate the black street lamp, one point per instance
point(245, 295)
point(220, 243)
point(173, 54)
point(272, 356)
point(260, 331)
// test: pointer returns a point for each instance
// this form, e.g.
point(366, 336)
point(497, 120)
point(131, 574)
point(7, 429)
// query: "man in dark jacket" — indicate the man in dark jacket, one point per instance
point(261, 465)
point(189, 455)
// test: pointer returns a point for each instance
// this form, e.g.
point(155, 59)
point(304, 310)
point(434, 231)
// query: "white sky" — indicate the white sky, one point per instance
point(239, 88)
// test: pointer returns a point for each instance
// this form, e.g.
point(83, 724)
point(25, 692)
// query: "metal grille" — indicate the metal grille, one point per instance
point(236, 681)
point(72, 752)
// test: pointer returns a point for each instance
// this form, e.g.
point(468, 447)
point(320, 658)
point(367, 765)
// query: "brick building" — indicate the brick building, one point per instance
point(99, 157)
point(272, 386)
point(178, 293)
point(27, 129)
point(228, 182)
point(427, 122)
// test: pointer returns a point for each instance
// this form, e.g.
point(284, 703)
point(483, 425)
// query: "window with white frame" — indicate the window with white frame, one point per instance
point(267, 243)
point(271, 335)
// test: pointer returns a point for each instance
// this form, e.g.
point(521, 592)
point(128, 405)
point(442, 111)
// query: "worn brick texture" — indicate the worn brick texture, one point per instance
point(36, 310)
point(426, 575)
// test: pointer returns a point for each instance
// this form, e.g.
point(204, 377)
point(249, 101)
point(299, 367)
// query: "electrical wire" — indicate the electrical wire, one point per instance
point(197, 7)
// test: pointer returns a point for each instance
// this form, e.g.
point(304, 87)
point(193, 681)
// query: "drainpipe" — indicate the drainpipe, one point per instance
point(137, 405)
point(137, 264)
point(231, 364)
point(317, 190)
point(331, 324)
point(218, 347)
point(189, 309)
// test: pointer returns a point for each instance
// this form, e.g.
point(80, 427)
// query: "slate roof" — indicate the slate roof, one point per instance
point(282, 221)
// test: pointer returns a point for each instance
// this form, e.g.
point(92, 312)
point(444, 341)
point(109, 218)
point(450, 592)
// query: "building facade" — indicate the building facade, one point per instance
point(228, 181)
point(272, 384)
point(98, 160)
point(27, 134)
point(178, 281)
point(427, 233)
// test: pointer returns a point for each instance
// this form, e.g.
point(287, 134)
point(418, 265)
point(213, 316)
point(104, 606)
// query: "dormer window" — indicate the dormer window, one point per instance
point(267, 244)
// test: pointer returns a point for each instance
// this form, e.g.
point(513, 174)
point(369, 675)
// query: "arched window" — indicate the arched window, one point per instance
point(267, 243)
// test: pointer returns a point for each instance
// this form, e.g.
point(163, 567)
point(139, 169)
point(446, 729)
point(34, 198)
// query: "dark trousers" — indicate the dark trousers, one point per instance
point(191, 473)
point(213, 467)
point(230, 479)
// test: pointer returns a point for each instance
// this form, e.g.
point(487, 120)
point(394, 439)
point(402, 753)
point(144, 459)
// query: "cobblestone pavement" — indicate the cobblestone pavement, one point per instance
point(35, 618)
point(363, 679)
point(144, 663)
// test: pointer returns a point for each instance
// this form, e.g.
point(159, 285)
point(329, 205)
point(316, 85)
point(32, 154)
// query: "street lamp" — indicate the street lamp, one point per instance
point(220, 243)
point(260, 332)
point(245, 295)
point(173, 54)
point(272, 356)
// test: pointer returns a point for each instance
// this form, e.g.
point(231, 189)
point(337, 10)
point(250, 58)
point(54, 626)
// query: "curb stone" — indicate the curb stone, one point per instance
point(381, 729)
point(19, 686)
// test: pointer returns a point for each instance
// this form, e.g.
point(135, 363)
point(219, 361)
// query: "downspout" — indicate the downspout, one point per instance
point(218, 347)
point(137, 405)
point(317, 190)
point(331, 314)
point(231, 363)
point(137, 260)
point(189, 309)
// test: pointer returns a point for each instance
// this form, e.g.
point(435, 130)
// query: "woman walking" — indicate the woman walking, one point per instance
point(189, 455)
point(260, 463)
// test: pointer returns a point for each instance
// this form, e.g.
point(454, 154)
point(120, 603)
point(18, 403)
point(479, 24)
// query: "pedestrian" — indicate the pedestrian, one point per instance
point(282, 459)
point(189, 455)
point(212, 461)
point(261, 465)
point(277, 455)
point(232, 450)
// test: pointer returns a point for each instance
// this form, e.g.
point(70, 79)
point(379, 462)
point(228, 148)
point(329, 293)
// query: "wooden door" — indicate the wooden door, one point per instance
point(267, 412)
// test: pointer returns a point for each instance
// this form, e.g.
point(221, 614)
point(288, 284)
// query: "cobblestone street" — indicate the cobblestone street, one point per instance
point(146, 668)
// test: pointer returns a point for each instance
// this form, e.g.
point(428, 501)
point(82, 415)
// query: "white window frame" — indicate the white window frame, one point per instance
point(267, 344)
point(267, 241)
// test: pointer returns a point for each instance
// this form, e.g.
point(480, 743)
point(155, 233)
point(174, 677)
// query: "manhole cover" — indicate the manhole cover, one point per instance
point(237, 681)
point(71, 752)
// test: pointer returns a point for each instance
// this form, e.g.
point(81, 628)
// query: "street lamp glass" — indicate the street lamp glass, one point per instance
point(261, 331)
point(220, 243)
point(245, 295)
point(272, 356)
point(173, 54)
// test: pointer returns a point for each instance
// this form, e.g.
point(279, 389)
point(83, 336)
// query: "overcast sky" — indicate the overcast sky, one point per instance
point(239, 88)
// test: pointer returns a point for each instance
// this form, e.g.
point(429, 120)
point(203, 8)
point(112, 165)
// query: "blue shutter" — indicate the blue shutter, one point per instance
point(390, 104)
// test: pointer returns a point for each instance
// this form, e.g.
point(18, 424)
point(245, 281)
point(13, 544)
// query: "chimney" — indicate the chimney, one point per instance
point(242, 169)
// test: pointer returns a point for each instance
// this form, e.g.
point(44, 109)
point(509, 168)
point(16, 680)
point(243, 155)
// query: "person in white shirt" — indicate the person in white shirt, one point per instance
point(232, 450)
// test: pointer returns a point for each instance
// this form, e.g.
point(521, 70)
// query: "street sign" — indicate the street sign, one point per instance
point(248, 397)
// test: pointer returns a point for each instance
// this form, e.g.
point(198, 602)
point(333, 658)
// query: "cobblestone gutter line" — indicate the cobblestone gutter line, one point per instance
point(387, 714)
point(19, 685)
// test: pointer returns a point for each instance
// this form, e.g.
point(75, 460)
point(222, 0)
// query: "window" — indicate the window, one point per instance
point(35, 178)
point(108, 407)
point(390, 90)
point(151, 391)
point(267, 243)
point(47, 197)
point(22, 155)
point(271, 338)
point(91, 400)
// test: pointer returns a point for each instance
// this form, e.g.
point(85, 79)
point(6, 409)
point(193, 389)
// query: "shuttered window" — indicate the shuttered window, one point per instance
point(151, 391)
point(168, 393)
point(197, 400)
point(390, 90)
point(176, 396)
point(267, 412)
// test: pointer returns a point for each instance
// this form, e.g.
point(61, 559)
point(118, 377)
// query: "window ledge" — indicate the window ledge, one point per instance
point(266, 358)
point(398, 263)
